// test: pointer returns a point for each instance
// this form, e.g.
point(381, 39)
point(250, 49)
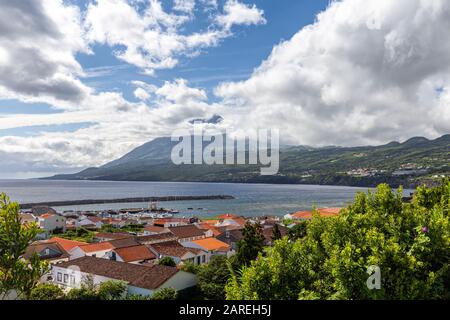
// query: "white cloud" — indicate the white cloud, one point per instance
point(141, 94)
point(186, 6)
point(151, 37)
point(37, 46)
point(179, 92)
point(365, 73)
point(237, 13)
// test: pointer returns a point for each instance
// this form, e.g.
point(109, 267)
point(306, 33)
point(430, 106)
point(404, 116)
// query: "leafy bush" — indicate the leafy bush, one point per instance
point(167, 261)
point(47, 291)
point(409, 242)
point(112, 290)
point(212, 278)
point(83, 293)
point(165, 294)
point(16, 274)
point(190, 267)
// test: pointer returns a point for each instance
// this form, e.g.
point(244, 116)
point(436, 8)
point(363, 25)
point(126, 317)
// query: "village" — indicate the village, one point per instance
point(132, 246)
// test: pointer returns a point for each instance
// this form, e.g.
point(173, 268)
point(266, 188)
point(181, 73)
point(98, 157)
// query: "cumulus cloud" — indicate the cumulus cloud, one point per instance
point(38, 41)
point(366, 72)
point(151, 37)
point(236, 13)
point(187, 6)
point(179, 92)
point(118, 127)
point(141, 94)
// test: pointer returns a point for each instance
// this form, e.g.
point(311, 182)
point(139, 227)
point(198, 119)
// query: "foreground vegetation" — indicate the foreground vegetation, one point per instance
point(409, 242)
point(325, 258)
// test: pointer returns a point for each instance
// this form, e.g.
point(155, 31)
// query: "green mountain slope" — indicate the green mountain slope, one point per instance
point(409, 163)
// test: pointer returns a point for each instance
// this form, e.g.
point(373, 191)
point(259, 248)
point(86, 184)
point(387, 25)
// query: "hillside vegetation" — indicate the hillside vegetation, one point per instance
point(410, 163)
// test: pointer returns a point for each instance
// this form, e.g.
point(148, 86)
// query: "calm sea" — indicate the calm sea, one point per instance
point(250, 199)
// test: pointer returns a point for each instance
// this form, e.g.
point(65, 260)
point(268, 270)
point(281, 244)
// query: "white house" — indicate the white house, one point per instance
point(179, 253)
point(189, 232)
point(133, 254)
point(212, 246)
point(89, 222)
point(98, 250)
point(141, 279)
point(51, 222)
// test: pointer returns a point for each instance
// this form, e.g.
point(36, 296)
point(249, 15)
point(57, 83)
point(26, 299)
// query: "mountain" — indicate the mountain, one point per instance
point(409, 163)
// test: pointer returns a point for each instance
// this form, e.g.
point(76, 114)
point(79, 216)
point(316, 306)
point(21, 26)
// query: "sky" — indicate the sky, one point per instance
point(82, 82)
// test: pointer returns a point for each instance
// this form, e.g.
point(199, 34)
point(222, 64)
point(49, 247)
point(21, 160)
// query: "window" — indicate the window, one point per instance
point(203, 258)
point(66, 278)
point(72, 280)
point(59, 277)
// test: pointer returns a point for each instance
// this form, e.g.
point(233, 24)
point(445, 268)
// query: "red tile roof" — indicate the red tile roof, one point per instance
point(93, 247)
point(147, 276)
point(188, 231)
point(173, 249)
point(46, 215)
point(66, 243)
point(162, 221)
point(227, 216)
point(323, 212)
point(135, 253)
point(212, 244)
point(155, 229)
point(205, 226)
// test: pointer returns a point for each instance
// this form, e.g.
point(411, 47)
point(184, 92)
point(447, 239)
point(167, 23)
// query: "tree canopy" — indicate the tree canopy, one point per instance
point(409, 242)
point(17, 276)
point(251, 244)
point(213, 276)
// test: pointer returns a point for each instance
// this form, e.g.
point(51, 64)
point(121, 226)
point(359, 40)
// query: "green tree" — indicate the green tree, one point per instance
point(17, 275)
point(298, 231)
point(47, 291)
point(276, 233)
point(167, 261)
point(212, 278)
point(83, 293)
point(190, 267)
point(112, 290)
point(165, 294)
point(409, 242)
point(87, 291)
point(251, 244)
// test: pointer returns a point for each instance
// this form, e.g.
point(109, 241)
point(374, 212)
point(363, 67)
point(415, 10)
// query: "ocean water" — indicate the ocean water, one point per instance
point(250, 199)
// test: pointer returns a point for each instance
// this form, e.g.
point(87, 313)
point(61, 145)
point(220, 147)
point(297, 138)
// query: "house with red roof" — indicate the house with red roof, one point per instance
point(140, 279)
point(170, 222)
point(89, 222)
point(134, 254)
point(179, 253)
point(100, 250)
point(307, 215)
point(51, 222)
point(210, 245)
point(152, 229)
point(66, 243)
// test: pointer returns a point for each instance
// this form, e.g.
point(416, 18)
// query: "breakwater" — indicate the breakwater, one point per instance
point(122, 200)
